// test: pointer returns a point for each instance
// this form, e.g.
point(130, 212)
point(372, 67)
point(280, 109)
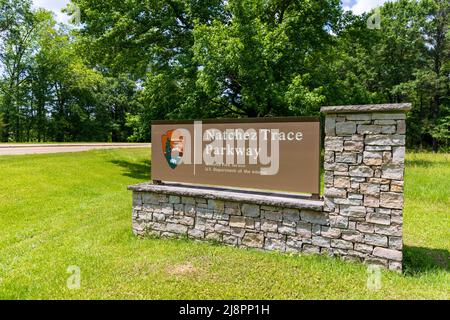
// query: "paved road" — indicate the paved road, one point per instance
point(18, 149)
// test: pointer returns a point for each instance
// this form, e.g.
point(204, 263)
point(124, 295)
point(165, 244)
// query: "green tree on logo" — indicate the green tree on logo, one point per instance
point(168, 154)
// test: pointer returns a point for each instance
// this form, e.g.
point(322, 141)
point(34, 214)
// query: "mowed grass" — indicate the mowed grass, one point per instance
point(73, 209)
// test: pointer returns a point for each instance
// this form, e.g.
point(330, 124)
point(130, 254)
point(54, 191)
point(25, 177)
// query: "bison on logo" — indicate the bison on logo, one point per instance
point(173, 147)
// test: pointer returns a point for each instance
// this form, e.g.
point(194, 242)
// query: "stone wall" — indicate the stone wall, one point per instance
point(360, 217)
point(364, 171)
point(243, 224)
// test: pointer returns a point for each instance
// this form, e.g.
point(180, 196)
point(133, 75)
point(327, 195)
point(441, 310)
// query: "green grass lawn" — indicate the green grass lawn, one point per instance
point(62, 210)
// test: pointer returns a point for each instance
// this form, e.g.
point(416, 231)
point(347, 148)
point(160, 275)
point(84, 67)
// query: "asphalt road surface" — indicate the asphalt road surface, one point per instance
point(19, 149)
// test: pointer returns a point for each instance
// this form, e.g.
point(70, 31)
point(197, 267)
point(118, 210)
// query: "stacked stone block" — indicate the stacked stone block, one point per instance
point(234, 223)
point(364, 180)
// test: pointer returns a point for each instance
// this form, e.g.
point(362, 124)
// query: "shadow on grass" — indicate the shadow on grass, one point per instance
point(418, 260)
point(135, 170)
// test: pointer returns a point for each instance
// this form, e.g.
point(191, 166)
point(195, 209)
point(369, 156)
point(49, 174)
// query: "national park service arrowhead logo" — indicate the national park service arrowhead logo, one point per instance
point(173, 147)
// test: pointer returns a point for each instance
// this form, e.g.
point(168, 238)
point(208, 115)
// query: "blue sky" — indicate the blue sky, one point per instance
point(357, 6)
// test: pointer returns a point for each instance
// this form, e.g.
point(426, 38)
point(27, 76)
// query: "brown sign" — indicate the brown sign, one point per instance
point(269, 153)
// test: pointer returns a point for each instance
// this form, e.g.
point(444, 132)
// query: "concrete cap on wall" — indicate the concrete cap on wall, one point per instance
point(366, 108)
point(295, 201)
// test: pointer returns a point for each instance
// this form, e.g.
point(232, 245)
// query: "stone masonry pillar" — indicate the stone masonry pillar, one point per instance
point(364, 173)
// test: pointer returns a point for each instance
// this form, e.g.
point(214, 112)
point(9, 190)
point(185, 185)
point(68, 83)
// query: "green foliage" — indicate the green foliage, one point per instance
point(274, 58)
point(134, 123)
point(17, 41)
point(130, 62)
point(1, 124)
point(208, 59)
point(441, 132)
point(253, 61)
point(407, 60)
point(47, 91)
point(247, 60)
point(301, 100)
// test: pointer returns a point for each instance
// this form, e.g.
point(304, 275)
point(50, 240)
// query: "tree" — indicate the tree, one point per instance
point(436, 34)
point(405, 61)
point(17, 31)
point(130, 62)
point(117, 97)
point(425, 75)
point(260, 61)
point(203, 59)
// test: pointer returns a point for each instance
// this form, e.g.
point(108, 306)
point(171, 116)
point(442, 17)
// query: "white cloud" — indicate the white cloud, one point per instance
point(55, 6)
point(361, 6)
